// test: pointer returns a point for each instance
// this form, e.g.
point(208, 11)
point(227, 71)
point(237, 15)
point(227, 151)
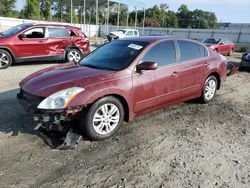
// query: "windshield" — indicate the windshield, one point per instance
point(211, 41)
point(14, 30)
point(116, 55)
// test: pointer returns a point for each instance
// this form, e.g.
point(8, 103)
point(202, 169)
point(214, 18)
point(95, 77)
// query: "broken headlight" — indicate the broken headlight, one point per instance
point(60, 99)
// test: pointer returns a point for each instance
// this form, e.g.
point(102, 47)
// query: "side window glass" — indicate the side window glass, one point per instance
point(57, 32)
point(189, 50)
point(135, 33)
point(130, 33)
point(35, 33)
point(163, 54)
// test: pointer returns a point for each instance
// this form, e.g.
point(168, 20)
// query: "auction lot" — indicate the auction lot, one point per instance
point(187, 145)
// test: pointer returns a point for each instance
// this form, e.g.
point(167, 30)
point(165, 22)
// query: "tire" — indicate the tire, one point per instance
point(5, 59)
point(74, 55)
point(102, 127)
point(209, 89)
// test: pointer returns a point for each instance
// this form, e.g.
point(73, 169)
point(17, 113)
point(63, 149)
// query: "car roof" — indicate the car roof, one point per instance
point(53, 25)
point(148, 39)
point(128, 29)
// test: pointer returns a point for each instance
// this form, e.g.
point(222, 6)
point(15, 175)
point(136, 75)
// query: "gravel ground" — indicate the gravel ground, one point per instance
point(187, 145)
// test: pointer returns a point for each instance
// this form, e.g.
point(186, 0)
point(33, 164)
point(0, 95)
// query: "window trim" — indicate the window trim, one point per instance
point(28, 29)
point(195, 42)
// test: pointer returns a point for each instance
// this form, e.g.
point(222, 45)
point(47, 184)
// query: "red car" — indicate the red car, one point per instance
point(40, 42)
point(223, 46)
point(121, 80)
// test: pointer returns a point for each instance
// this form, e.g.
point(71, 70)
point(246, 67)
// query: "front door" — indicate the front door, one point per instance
point(33, 45)
point(158, 87)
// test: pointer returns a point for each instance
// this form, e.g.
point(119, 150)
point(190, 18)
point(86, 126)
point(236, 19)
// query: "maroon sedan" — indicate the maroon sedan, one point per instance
point(223, 46)
point(42, 42)
point(122, 80)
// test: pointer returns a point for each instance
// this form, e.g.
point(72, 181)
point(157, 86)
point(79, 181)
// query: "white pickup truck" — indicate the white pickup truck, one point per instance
point(121, 33)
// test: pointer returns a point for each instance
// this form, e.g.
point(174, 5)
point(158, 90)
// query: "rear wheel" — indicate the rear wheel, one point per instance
point(5, 59)
point(103, 118)
point(209, 89)
point(74, 55)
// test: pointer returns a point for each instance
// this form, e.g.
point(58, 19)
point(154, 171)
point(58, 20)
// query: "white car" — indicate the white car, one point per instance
point(119, 34)
point(124, 33)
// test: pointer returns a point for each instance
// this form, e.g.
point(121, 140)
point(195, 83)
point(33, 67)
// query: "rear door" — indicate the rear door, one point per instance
point(58, 39)
point(32, 45)
point(193, 59)
point(161, 86)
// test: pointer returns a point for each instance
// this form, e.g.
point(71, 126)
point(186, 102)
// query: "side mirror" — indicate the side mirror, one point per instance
point(22, 36)
point(221, 43)
point(146, 66)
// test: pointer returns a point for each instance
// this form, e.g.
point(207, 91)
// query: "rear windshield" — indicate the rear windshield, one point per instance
point(116, 55)
point(14, 30)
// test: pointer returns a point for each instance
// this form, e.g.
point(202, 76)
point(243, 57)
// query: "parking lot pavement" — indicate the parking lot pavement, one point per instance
point(187, 145)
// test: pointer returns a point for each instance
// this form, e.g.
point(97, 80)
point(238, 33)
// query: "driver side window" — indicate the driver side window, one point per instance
point(35, 33)
point(130, 33)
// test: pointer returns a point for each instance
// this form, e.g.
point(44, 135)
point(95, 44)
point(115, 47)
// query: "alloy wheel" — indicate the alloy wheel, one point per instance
point(74, 56)
point(4, 60)
point(106, 119)
point(210, 89)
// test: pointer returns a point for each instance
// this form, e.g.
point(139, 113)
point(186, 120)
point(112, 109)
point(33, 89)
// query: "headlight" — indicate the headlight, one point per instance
point(60, 99)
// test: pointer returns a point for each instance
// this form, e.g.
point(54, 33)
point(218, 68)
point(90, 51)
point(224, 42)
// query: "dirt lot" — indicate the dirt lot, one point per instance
point(188, 145)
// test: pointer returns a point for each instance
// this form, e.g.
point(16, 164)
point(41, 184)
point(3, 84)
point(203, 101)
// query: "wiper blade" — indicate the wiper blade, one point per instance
point(91, 66)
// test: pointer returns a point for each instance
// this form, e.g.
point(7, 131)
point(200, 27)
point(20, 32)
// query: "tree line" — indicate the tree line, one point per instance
point(157, 16)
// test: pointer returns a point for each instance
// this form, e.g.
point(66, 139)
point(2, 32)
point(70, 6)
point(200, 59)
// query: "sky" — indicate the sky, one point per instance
point(234, 11)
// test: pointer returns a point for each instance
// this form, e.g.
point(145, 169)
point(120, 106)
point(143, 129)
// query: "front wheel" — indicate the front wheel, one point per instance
point(74, 55)
point(209, 89)
point(5, 59)
point(103, 118)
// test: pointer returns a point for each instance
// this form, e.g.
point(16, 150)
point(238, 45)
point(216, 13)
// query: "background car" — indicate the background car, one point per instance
point(42, 42)
point(120, 34)
point(106, 88)
point(223, 46)
point(245, 62)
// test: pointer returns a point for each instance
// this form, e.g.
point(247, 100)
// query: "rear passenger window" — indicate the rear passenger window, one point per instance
point(189, 50)
point(203, 50)
point(58, 32)
point(163, 54)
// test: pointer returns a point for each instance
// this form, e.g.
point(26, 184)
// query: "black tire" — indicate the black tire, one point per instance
point(78, 55)
point(5, 57)
point(87, 118)
point(204, 96)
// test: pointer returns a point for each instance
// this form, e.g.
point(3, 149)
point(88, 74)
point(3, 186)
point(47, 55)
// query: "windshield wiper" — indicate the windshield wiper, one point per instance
point(91, 66)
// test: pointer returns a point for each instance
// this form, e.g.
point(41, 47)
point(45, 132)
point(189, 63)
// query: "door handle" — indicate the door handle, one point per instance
point(205, 64)
point(175, 74)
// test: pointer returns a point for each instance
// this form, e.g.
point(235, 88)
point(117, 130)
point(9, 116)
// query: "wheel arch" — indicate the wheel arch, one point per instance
point(217, 76)
point(10, 52)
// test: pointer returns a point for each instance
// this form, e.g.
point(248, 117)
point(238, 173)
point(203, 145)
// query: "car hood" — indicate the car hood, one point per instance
point(53, 79)
point(117, 33)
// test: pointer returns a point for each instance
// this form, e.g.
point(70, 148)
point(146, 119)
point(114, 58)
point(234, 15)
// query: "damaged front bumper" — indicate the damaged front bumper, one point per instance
point(51, 120)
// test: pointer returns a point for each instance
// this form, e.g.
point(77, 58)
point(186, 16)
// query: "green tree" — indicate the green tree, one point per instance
point(184, 16)
point(45, 9)
point(31, 9)
point(6, 8)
